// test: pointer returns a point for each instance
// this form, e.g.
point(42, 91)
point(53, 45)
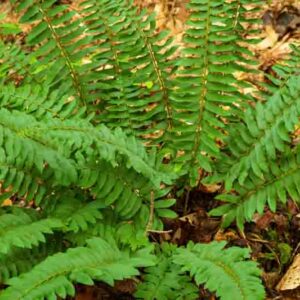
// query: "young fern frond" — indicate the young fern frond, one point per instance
point(53, 277)
point(223, 271)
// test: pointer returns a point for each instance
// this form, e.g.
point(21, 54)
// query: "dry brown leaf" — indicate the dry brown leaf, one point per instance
point(177, 235)
point(291, 279)
point(192, 219)
point(228, 235)
point(270, 40)
point(7, 202)
point(210, 188)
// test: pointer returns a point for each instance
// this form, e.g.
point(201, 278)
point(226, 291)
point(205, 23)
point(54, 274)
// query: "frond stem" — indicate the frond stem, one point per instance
point(65, 55)
point(202, 99)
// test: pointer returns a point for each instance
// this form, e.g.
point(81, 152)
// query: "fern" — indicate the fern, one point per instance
point(205, 84)
point(135, 66)
point(35, 99)
point(61, 47)
point(75, 99)
point(279, 183)
point(16, 66)
point(264, 133)
point(166, 280)
point(54, 276)
point(223, 271)
point(282, 72)
point(20, 260)
point(124, 75)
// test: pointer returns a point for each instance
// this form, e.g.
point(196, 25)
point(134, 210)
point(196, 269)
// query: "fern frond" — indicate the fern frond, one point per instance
point(54, 276)
point(255, 143)
point(132, 79)
point(19, 260)
point(224, 271)
point(205, 84)
point(126, 234)
point(23, 157)
point(16, 66)
point(28, 144)
point(61, 41)
point(166, 280)
point(38, 101)
point(76, 214)
point(283, 72)
point(278, 183)
point(20, 230)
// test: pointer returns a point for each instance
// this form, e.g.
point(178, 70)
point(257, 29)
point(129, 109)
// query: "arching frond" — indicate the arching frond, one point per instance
point(54, 276)
point(223, 271)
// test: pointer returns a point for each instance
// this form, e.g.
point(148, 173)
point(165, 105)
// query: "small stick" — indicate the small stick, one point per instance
point(151, 215)
point(160, 231)
point(186, 202)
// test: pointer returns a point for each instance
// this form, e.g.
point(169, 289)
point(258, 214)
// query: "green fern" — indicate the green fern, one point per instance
point(205, 83)
point(54, 276)
point(166, 280)
point(135, 67)
point(35, 99)
point(279, 183)
point(75, 99)
point(223, 271)
point(22, 231)
point(264, 133)
point(61, 46)
point(20, 260)
point(282, 72)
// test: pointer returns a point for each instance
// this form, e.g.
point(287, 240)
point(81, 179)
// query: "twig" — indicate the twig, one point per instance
point(151, 215)
point(186, 202)
point(160, 231)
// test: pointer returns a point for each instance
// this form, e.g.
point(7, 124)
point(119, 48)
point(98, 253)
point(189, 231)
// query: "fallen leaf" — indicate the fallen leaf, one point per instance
point(291, 279)
point(6, 202)
point(270, 40)
point(263, 221)
point(192, 219)
point(228, 235)
point(210, 188)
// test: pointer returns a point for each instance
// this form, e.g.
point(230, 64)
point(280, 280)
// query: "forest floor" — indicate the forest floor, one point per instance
point(273, 237)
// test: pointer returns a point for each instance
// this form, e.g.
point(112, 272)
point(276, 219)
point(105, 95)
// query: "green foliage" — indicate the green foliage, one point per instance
point(278, 184)
point(222, 270)
point(205, 82)
point(264, 132)
point(135, 65)
point(103, 118)
point(99, 260)
point(228, 272)
point(166, 280)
